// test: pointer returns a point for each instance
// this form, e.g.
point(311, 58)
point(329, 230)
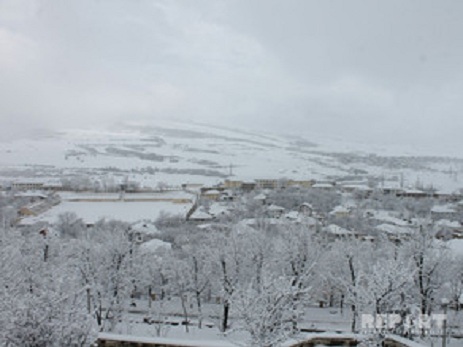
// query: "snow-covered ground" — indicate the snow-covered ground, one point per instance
point(92, 211)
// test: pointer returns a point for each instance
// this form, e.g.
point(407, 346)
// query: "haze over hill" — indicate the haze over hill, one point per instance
point(387, 73)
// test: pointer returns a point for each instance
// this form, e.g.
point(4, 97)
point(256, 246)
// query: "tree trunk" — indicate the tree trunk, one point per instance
point(226, 310)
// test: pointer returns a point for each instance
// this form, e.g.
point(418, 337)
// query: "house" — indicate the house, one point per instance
point(53, 185)
point(292, 215)
point(391, 188)
point(275, 211)
point(144, 231)
point(340, 211)
point(212, 194)
point(248, 186)
point(227, 195)
point(228, 184)
point(395, 232)
point(334, 232)
point(27, 184)
point(387, 217)
point(31, 195)
point(300, 183)
point(200, 216)
point(262, 198)
point(218, 209)
point(446, 229)
point(323, 186)
point(267, 183)
point(413, 193)
point(443, 212)
point(192, 186)
point(360, 190)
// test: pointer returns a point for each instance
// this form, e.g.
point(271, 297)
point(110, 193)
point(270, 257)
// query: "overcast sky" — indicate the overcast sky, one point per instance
point(384, 71)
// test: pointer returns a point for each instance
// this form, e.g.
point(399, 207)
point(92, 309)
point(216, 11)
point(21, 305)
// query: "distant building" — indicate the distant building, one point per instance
point(27, 185)
point(323, 186)
point(228, 184)
point(212, 194)
point(443, 212)
point(267, 183)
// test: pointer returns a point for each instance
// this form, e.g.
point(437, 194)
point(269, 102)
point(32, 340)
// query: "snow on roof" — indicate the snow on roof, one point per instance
point(306, 204)
point(385, 217)
point(292, 215)
point(145, 227)
point(413, 191)
point(340, 209)
point(262, 221)
point(218, 209)
point(337, 230)
point(31, 194)
point(323, 185)
point(391, 186)
point(360, 187)
point(260, 197)
point(394, 229)
point(200, 215)
point(275, 208)
point(211, 192)
point(443, 209)
point(448, 224)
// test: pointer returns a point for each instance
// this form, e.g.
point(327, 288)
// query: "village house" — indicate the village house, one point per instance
point(447, 230)
point(200, 216)
point(413, 193)
point(143, 231)
point(229, 184)
point(323, 186)
point(340, 211)
point(360, 190)
point(227, 195)
point(218, 209)
point(27, 185)
point(211, 194)
point(300, 183)
point(275, 211)
point(335, 232)
point(267, 183)
point(262, 198)
point(443, 212)
point(248, 186)
point(395, 232)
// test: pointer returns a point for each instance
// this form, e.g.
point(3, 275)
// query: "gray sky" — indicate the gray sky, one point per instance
point(382, 71)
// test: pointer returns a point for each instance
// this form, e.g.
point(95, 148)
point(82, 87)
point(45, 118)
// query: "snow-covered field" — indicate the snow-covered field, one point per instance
point(132, 211)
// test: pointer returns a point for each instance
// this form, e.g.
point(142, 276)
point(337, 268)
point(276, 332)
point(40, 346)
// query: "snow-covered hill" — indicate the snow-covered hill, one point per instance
point(177, 153)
